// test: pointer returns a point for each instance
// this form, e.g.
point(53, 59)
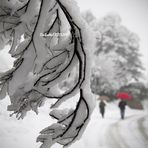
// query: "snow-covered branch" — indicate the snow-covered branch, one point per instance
point(43, 59)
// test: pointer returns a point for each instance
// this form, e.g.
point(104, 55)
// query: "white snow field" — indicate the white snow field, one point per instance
point(110, 132)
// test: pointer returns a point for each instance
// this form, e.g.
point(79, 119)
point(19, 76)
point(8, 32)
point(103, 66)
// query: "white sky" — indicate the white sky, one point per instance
point(134, 14)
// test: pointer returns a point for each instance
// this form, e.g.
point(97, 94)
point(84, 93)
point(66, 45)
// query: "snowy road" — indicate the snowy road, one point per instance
point(110, 132)
point(124, 134)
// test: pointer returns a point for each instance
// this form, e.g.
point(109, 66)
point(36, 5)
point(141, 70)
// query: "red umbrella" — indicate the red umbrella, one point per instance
point(123, 96)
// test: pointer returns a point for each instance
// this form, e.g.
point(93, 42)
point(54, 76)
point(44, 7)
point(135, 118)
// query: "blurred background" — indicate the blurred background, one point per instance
point(119, 65)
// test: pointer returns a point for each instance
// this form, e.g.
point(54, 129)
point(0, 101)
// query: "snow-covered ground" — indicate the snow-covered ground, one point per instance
point(110, 132)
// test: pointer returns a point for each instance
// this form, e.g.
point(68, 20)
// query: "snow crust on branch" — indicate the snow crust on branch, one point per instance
point(42, 62)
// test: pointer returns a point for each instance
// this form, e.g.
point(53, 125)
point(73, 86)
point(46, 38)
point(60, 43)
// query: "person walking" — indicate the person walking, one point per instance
point(122, 106)
point(102, 108)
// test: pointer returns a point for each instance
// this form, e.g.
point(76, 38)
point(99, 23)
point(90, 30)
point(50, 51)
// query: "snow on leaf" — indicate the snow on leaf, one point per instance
point(42, 62)
point(3, 91)
point(70, 125)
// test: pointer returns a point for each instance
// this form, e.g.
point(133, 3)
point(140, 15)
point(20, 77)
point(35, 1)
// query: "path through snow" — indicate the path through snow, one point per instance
point(110, 132)
point(130, 133)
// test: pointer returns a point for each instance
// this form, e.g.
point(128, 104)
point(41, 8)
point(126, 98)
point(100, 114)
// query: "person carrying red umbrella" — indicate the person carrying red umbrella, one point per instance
point(122, 104)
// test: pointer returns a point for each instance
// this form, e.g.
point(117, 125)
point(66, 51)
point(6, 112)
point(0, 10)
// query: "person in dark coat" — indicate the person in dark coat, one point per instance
point(102, 108)
point(122, 105)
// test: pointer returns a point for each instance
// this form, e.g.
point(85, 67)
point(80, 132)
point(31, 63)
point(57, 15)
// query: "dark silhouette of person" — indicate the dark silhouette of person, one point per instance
point(122, 105)
point(102, 108)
